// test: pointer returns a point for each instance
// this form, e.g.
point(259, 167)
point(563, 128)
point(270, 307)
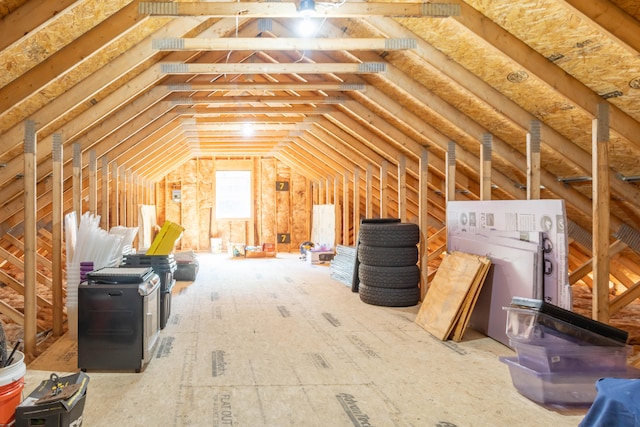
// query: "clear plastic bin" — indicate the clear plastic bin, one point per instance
point(555, 354)
point(527, 325)
point(559, 388)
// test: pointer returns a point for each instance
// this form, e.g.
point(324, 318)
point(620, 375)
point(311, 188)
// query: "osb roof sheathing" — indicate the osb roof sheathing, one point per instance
point(415, 105)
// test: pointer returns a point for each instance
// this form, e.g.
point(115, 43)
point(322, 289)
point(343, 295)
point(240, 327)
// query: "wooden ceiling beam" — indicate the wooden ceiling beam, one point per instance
point(84, 91)
point(236, 111)
point(479, 89)
point(270, 68)
point(271, 87)
point(281, 43)
point(266, 99)
point(290, 9)
point(213, 121)
point(31, 15)
point(237, 128)
point(71, 56)
point(552, 75)
point(307, 167)
point(137, 149)
point(604, 15)
point(330, 132)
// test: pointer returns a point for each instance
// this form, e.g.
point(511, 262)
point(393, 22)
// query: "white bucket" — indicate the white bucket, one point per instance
point(15, 371)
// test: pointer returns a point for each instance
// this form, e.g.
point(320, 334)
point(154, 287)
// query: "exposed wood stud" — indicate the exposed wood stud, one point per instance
point(345, 208)
point(485, 167)
point(369, 192)
point(450, 175)
point(30, 240)
point(533, 161)
point(56, 233)
point(113, 194)
point(423, 219)
point(402, 188)
point(384, 188)
point(104, 202)
point(601, 200)
point(356, 203)
point(93, 182)
point(77, 180)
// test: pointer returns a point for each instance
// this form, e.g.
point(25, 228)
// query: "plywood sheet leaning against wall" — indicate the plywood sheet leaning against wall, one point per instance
point(452, 294)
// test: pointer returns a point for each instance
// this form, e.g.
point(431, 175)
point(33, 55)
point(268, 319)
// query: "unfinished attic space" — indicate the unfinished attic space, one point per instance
point(320, 213)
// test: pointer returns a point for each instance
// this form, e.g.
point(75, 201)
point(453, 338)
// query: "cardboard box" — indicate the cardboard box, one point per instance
point(319, 257)
point(66, 412)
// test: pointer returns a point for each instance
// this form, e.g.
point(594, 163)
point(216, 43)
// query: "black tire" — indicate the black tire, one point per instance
point(390, 235)
point(388, 257)
point(389, 277)
point(355, 279)
point(389, 297)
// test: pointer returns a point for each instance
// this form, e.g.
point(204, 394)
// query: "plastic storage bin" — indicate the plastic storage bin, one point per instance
point(528, 325)
point(554, 354)
point(575, 388)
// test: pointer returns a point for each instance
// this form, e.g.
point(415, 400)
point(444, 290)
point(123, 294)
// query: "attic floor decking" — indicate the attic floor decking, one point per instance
point(276, 341)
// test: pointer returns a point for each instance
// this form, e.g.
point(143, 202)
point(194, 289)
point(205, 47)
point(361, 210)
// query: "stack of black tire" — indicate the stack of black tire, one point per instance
point(388, 274)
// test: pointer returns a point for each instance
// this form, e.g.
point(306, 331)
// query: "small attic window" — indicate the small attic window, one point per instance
point(233, 194)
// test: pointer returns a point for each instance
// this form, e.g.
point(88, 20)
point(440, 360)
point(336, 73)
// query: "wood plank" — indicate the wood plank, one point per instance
point(470, 301)
point(172, 68)
point(68, 57)
point(457, 275)
point(450, 172)
point(539, 66)
point(11, 313)
point(290, 10)
point(270, 99)
point(624, 299)
point(533, 161)
point(586, 268)
point(601, 201)
point(423, 222)
point(18, 244)
point(29, 16)
point(384, 189)
point(485, 167)
point(57, 225)
point(281, 44)
point(19, 288)
point(29, 266)
point(605, 15)
point(402, 188)
point(267, 86)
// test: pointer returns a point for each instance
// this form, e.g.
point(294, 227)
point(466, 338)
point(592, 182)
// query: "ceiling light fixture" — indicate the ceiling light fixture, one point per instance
point(307, 10)
point(248, 129)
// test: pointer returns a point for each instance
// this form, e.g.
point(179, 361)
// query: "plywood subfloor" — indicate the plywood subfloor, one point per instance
point(277, 342)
